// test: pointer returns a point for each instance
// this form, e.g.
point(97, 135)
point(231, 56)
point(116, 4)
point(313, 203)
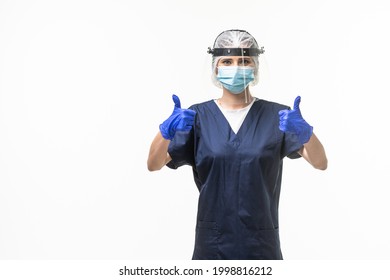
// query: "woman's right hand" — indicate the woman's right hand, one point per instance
point(180, 120)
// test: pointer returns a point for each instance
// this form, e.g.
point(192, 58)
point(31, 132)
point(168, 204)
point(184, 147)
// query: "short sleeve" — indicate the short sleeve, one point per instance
point(290, 143)
point(181, 149)
point(291, 146)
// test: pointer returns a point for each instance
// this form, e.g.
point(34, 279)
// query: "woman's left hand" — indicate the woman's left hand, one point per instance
point(292, 121)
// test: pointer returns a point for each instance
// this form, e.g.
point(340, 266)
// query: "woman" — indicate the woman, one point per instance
point(236, 145)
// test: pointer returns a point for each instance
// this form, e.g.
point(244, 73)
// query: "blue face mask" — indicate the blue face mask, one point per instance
point(235, 78)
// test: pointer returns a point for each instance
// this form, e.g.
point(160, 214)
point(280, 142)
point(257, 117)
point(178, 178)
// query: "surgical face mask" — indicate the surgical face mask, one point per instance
point(235, 78)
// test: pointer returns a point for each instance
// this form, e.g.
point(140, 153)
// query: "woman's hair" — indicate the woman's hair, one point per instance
point(234, 38)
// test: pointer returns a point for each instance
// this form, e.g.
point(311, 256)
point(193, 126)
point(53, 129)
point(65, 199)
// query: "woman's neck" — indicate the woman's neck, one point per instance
point(232, 101)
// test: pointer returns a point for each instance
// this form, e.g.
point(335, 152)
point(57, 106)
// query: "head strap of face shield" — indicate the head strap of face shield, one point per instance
point(236, 51)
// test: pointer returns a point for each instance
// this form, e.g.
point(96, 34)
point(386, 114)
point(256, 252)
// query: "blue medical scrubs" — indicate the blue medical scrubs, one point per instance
point(239, 179)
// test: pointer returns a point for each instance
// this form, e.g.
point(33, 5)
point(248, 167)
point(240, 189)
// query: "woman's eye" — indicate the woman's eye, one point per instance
point(245, 62)
point(226, 62)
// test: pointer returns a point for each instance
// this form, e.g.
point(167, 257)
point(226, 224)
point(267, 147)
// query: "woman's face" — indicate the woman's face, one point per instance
point(236, 61)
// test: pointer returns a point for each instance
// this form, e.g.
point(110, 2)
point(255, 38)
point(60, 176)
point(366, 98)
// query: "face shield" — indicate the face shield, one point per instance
point(235, 43)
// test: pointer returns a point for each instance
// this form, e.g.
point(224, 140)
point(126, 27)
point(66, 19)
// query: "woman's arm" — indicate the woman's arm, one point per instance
point(158, 153)
point(291, 121)
point(180, 120)
point(314, 153)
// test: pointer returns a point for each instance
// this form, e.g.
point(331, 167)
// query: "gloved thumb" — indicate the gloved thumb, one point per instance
point(297, 102)
point(176, 100)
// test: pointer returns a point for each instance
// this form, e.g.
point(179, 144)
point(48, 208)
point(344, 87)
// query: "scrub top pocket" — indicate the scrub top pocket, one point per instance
point(264, 244)
point(207, 241)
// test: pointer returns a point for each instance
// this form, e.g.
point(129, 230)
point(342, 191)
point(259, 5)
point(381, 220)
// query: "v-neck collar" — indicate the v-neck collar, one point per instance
point(225, 126)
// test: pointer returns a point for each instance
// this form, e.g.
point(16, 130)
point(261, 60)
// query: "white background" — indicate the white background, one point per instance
point(85, 84)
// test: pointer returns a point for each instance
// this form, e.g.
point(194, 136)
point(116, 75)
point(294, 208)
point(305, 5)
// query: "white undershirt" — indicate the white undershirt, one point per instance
point(236, 117)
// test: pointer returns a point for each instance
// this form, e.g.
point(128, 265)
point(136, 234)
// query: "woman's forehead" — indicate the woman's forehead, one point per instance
point(235, 57)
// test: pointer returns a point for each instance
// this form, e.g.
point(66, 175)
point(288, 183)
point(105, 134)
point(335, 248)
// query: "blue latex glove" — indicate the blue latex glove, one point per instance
point(292, 121)
point(180, 120)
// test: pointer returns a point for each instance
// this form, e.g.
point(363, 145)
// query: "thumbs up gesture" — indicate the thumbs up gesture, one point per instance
point(180, 120)
point(291, 121)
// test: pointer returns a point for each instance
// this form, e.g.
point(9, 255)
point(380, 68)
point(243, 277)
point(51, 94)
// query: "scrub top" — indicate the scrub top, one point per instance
point(239, 180)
